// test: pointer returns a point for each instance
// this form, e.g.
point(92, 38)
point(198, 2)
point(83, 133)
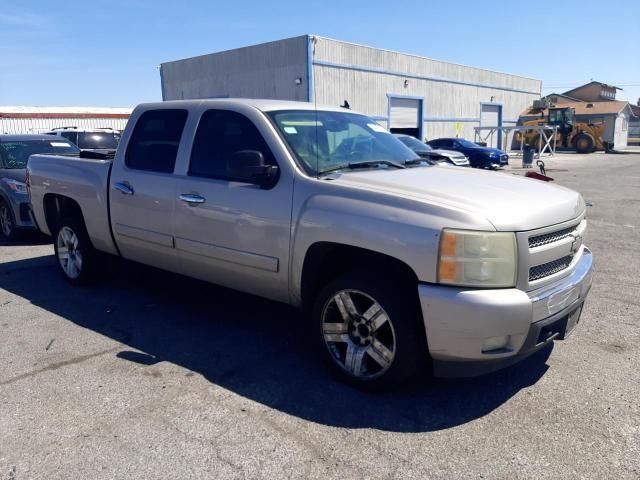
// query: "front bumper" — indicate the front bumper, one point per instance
point(459, 321)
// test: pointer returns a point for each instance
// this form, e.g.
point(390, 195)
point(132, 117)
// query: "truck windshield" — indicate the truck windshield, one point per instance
point(106, 140)
point(15, 154)
point(325, 141)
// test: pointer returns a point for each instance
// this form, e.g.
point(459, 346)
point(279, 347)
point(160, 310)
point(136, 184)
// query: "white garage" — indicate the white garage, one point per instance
point(405, 93)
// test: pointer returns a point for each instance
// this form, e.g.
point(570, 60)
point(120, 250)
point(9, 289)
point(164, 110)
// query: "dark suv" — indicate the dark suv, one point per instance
point(102, 140)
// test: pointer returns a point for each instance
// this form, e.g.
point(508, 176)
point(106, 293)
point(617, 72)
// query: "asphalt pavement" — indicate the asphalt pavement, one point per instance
point(149, 375)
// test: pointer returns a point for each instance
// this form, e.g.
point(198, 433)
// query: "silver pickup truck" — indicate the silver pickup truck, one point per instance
point(399, 264)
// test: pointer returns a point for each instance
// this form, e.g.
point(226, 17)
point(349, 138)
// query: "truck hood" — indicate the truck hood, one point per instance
point(509, 202)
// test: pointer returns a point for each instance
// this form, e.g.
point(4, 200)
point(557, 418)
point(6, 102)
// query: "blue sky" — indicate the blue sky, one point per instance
point(107, 53)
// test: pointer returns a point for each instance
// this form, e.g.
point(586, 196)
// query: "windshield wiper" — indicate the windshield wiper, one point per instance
point(373, 163)
point(363, 164)
point(418, 161)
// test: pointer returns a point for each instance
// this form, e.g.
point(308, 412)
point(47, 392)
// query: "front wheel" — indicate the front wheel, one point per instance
point(76, 256)
point(370, 334)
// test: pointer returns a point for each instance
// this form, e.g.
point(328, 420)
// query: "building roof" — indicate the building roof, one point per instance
point(572, 99)
point(63, 112)
point(612, 107)
point(568, 92)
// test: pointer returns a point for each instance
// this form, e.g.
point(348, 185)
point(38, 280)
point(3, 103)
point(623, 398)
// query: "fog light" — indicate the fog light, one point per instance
point(495, 343)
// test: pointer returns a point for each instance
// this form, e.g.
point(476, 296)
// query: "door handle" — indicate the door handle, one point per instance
point(123, 188)
point(191, 198)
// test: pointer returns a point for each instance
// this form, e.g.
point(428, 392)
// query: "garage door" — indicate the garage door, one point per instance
point(404, 115)
point(621, 132)
point(491, 116)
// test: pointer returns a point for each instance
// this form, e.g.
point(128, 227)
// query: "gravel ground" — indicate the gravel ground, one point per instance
point(152, 376)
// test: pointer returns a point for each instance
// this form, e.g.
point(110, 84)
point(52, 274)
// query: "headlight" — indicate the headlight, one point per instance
point(15, 185)
point(470, 258)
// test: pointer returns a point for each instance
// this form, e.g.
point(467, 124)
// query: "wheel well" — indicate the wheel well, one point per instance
point(324, 261)
point(57, 207)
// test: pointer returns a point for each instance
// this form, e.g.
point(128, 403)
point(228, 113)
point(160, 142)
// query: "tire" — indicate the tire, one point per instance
point(584, 143)
point(7, 222)
point(76, 257)
point(370, 333)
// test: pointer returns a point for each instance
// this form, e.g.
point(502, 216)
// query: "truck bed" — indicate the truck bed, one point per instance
point(82, 180)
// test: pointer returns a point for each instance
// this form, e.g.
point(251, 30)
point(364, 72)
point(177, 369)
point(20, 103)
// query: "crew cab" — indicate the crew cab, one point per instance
point(398, 263)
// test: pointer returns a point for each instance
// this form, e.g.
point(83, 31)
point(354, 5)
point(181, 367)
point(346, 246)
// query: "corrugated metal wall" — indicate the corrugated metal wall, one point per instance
point(268, 70)
point(364, 76)
point(39, 125)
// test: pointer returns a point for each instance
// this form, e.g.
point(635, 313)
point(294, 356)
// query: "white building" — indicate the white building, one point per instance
point(20, 119)
point(405, 93)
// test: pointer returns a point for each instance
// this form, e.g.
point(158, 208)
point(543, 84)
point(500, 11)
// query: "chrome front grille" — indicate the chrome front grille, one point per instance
point(548, 238)
point(549, 253)
point(549, 268)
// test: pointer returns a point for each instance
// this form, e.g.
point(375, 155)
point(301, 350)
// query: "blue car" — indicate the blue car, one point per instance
point(14, 154)
point(479, 156)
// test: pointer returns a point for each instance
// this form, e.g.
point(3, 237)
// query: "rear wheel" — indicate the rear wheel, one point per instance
point(584, 143)
point(371, 335)
point(77, 259)
point(7, 223)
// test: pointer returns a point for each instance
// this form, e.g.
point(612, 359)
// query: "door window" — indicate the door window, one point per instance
point(155, 140)
point(221, 134)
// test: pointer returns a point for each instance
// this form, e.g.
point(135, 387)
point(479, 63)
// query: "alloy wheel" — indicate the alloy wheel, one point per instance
point(6, 222)
point(358, 333)
point(69, 255)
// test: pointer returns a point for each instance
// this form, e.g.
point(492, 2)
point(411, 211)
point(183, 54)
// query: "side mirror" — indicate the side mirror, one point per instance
point(248, 166)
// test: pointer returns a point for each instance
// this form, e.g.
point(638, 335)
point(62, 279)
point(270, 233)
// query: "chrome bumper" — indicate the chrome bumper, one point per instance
point(458, 321)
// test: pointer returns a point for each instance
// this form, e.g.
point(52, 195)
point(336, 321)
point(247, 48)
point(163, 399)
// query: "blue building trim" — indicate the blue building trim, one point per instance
point(501, 106)
point(452, 119)
point(358, 68)
point(309, 68)
point(420, 110)
point(162, 83)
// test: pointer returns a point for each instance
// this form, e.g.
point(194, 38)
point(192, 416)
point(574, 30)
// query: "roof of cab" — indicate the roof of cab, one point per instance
point(24, 137)
point(264, 105)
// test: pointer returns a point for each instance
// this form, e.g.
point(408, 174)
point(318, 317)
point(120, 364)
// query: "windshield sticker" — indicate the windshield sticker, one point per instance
point(377, 128)
point(291, 130)
point(59, 144)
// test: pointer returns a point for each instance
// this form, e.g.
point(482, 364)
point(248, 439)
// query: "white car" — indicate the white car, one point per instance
point(102, 140)
point(433, 155)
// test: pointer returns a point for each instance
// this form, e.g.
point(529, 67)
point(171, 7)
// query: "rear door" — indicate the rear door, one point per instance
point(143, 189)
point(237, 234)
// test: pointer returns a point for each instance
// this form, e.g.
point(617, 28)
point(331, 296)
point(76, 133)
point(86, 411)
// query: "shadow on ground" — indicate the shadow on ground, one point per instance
point(27, 238)
point(256, 348)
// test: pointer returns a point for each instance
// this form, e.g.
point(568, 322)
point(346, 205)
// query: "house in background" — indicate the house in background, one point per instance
point(594, 102)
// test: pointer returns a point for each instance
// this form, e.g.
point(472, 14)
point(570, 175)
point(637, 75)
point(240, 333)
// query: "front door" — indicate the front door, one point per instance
point(230, 230)
point(143, 189)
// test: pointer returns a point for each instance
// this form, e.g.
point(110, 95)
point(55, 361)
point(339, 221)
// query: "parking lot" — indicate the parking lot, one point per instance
point(151, 375)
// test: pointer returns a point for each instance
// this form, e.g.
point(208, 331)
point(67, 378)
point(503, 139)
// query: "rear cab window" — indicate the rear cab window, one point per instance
point(155, 140)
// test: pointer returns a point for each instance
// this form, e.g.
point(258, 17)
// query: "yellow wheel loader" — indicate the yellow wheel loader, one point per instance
point(581, 137)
